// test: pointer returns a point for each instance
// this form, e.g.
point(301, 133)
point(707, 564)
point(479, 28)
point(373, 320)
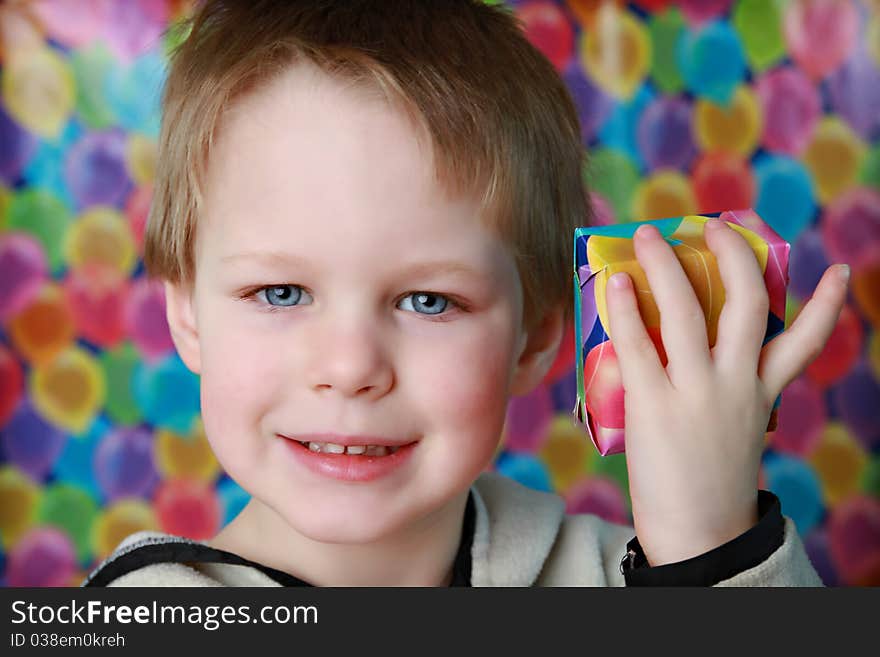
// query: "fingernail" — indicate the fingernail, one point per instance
point(647, 232)
point(844, 273)
point(715, 223)
point(619, 281)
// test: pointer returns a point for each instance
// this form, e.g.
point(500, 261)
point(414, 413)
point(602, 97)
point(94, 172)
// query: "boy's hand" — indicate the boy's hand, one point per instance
point(695, 430)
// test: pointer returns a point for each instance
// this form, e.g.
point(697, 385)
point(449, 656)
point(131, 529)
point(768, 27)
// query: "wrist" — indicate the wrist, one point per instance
point(668, 543)
point(734, 557)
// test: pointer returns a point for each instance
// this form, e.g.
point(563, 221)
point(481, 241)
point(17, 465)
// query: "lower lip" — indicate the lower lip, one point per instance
point(346, 467)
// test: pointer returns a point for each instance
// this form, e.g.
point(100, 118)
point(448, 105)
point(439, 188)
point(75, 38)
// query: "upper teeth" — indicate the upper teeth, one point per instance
point(368, 450)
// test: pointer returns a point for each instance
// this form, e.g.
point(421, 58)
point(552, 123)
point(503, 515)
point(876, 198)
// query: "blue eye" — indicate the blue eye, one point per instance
point(282, 295)
point(426, 303)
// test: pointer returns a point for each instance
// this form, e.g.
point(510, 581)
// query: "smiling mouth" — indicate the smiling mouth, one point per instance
point(352, 450)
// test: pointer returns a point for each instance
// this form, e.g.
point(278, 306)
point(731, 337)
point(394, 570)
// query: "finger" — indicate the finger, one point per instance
point(786, 356)
point(636, 355)
point(682, 322)
point(742, 324)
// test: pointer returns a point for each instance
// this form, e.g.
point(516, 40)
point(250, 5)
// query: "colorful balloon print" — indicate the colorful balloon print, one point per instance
point(855, 400)
point(601, 497)
point(841, 352)
point(549, 31)
point(802, 418)
point(188, 508)
point(616, 55)
point(665, 30)
point(851, 226)
point(791, 107)
point(30, 443)
point(834, 157)
point(44, 327)
point(807, 263)
point(133, 91)
point(45, 169)
point(19, 496)
point(565, 453)
point(527, 420)
point(865, 287)
point(684, 107)
point(722, 180)
point(38, 90)
point(798, 489)
point(786, 195)
point(698, 12)
point(712, 61)
point(145, 318)
point(233, 498)
point(620, 130)
point(95, 169)
point(759, 26)
point(124, 464)
point(18, 147)
point(615, 177)
point(664, 134)
point(91, 66)
point(120, 519)
point(664, 194)
point(840, 462)
point(11, 384)
point(75, 463)
point(820, 34)
point(44, 557)
point(854, 540)
point(72, 510)
point(186, 457)
point(133, 28)
point(733, 127)
point(167, 394)
point(525, 469)
point(72, 22)
point(69, 390)
point(23, 272)
point(96, 297)
point(855, 92)
point(120, 365)
point(102, 236)
point(140, 157)
point(45, 217)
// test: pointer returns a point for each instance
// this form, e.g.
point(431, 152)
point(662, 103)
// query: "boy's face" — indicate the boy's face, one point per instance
point(327, 198)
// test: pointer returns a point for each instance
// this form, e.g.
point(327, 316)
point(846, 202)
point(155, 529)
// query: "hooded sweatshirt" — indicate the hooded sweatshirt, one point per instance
point(512, 536)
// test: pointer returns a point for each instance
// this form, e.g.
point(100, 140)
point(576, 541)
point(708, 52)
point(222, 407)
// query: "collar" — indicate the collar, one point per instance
point(515, 531)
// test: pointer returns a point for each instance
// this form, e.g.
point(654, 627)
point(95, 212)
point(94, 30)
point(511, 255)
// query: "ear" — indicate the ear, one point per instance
point(539, 351)
point(180, 312)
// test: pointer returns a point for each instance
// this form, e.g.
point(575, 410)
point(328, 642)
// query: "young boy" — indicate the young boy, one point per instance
point(364, 216)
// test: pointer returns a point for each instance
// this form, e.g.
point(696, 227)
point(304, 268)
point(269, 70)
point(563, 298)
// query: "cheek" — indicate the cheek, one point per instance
point(466, 387)
point(227, 397)
point(237, 387)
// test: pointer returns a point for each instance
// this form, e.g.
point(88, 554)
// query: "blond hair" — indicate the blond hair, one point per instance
point(501, 121)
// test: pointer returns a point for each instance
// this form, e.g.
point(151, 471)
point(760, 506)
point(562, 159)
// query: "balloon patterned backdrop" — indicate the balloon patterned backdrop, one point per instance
point(692, 106)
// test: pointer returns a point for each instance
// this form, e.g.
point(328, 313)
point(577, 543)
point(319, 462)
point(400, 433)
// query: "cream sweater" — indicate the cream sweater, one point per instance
point(522, 537)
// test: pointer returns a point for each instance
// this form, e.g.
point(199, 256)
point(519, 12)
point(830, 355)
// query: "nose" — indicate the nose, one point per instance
point(352, 362)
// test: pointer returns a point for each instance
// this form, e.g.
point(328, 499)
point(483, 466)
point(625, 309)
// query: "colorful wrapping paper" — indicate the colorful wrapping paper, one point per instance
point(601, 251)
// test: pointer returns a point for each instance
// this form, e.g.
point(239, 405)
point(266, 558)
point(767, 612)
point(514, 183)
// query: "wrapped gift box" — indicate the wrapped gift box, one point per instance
point(601, 251)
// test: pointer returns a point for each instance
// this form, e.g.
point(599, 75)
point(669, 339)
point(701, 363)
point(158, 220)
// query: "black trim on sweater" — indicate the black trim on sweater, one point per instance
point(179, 550)
point(182, 550)
point(737, 555)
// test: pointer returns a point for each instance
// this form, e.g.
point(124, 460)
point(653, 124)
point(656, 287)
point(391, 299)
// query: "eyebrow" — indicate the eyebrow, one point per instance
point(265, 257)
point(415, 270)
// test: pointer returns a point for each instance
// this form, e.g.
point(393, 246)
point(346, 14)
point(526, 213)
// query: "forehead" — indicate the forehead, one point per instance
point(311, 163)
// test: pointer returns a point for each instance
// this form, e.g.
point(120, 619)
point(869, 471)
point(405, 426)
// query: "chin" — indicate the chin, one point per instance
point(333, 526)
